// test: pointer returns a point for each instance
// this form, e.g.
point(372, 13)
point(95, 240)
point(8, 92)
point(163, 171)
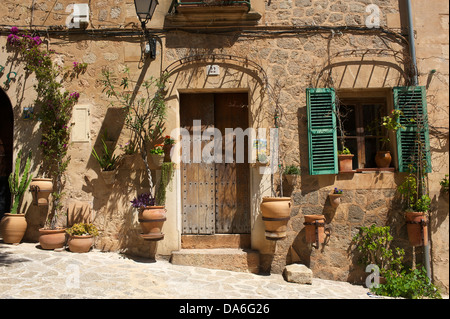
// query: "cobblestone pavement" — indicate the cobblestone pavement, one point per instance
point(26, 271)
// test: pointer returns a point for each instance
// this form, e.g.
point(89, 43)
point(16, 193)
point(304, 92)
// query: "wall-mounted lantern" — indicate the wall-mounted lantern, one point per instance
point(145, 10)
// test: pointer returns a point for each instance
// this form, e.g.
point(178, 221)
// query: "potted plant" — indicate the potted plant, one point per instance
point(150, 216)
point(81, 237)
point(13, 224)
point(345, 160)
point(108, 163)
point(292, 172)
point(416, 204)
point(335, 197)
point(168, 144)
point(391, 122)
point(157, 155)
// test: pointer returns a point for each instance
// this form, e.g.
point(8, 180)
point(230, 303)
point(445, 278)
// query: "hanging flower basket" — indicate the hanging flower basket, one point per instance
point(41, 189)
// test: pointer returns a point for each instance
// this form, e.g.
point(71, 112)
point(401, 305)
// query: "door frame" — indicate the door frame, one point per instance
point(179, 178)
point(8, 118)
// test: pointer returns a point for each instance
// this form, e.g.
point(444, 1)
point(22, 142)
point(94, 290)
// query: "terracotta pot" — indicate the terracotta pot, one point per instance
point(109, 176)
point(315, 228)
point(13, 227)
point(275, 214)
point(416, 225)
point(80, 244)
point(41, 189)
point(157, 160)
point(167, 149)
point(151, 219)
point(292, 179)
point(383, 159)
point(345, 162)
point(335, 200)
point(52, 238)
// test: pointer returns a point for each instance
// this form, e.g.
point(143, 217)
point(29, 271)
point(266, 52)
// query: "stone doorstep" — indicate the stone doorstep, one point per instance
point(233, 259)
point(216, 241)
point(298, 273)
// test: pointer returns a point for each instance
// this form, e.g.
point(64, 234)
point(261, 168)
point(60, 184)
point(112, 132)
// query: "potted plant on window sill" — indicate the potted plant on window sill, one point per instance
point(13, 224)
point(157, 155)
point(108, 163)
point(81, 237)
point(392, 123)
point(345, 159)
point(335, 197)
point(292, 172)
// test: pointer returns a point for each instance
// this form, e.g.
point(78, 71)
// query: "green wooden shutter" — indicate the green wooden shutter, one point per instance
point(322, 144)
point(412, 102)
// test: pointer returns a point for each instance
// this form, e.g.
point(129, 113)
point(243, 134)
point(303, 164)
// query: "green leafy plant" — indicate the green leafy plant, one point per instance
point(83, 229)
point(444, 184)
point(292, 170)
point(18, 185)
point(412, 284)
point(167, 170)
point(413, 195)
point(374, 245)
point(157, 150)
point(144, 115)
point(344, 151)
point(107, 161)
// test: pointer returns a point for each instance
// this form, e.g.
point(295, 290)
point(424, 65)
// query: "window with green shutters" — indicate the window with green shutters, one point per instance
point(413, 141)
point(322, 143)
point(322, 130)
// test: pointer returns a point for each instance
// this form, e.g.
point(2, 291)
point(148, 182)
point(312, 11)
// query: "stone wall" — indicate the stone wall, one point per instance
point(295, 56)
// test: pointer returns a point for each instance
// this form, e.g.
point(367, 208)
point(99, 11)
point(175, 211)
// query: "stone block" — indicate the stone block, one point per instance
point(298, 273)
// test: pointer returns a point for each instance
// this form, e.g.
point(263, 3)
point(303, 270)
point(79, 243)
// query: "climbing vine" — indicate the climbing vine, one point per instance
point(54, 105)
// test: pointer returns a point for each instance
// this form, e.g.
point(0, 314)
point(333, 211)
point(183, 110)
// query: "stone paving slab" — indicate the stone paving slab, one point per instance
point(26, 271)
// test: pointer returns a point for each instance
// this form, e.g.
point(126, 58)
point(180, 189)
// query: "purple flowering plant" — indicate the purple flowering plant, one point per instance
point(143, 200)
point(54, 107)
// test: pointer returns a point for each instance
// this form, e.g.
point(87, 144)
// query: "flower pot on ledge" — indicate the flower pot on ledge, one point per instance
point(335, 199)
point(345, 162)
point(383, 159)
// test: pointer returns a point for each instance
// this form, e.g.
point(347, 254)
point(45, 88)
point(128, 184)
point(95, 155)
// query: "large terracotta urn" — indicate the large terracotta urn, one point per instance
point(275, 214)
point(13, 227)
point(151, 219)
point(41, 189)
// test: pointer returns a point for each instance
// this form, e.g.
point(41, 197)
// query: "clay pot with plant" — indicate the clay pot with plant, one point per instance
point(108, 162)
point(392, 123)
point(292, 172)
point(81, 237)
point(335, 197)
point(13, 224)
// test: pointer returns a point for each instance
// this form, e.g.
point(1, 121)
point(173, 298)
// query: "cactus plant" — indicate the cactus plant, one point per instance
point(18, 185)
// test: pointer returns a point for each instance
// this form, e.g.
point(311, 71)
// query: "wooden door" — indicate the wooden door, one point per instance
point(215, 196)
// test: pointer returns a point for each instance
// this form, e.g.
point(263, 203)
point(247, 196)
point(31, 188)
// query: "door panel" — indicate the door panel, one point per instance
point(215, 195)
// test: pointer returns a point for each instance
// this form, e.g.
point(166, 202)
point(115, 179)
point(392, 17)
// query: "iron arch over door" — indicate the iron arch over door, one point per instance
point(6, 151)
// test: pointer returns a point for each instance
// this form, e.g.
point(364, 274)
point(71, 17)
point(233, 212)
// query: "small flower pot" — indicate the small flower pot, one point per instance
point(109, 177)
point(345, 162)
point(335, 199)
point(80, 244)
point(157, 160)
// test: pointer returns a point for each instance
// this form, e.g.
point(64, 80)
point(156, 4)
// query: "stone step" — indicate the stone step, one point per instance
point(233, 259)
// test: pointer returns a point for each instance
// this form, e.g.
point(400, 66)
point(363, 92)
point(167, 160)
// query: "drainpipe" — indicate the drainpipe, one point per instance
point(412, 51)
point(412, 46)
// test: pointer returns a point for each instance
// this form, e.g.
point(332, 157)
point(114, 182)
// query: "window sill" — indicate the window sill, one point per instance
point(369, 170)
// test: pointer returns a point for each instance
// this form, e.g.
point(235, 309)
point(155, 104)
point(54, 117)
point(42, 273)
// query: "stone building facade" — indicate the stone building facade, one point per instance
point(271, 51)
